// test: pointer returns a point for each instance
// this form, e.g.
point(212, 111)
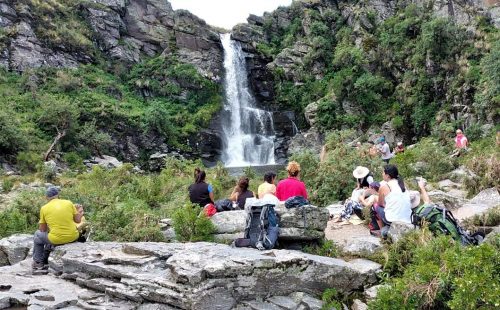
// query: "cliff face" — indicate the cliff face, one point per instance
point(122, 30)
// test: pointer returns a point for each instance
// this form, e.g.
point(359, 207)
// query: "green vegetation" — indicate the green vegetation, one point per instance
point(407, 69)
point(438, 273)
point(191, 224)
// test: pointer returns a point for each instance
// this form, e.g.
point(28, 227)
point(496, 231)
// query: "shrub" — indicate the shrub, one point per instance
point(191, 224)
point(443, 274)
point(22, 215)
point(131, 220)
point(428, 159)
point(29, 162)
point(330, 298)
point(324, 248)
point(331, 180)
point(74, 161)
point(7, 184)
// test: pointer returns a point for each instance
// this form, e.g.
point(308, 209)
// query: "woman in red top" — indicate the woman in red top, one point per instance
point(291, 186)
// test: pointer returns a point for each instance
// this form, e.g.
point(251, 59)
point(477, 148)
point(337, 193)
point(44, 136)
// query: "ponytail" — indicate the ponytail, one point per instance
point(401, 184)
point(200, 177)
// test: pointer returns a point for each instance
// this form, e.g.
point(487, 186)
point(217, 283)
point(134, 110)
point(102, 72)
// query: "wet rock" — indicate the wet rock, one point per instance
point(398, 229)
point(15, 248)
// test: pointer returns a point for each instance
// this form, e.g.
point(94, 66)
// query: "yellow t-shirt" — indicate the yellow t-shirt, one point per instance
point(58, 215)
point(266, 188)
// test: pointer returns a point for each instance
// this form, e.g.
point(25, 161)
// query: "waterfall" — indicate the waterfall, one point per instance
point(248, 131)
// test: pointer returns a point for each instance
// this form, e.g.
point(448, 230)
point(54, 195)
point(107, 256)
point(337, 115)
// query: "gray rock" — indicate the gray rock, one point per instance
point(371, 293)
point(108, 162)
point(229, 221)
point(398, 229)
point(447, 185)
point(175, 274)
point(335, 209)
point(283, 302)
point(310, 113)
point(311, 140)
point(447, 200)
point(15, 248)
point(460, 174)
point(308, 301)
point(361, 246)
point(358, 305)
point(489, 197)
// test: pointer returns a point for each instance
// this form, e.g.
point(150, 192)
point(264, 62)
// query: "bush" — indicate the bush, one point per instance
point(191, 224)
point(7, 184)
point(331, 180)
point(325, 248)
point(22, 215)
point(74, 161)
point(428, 159)
point(442, 274)
point(29, 162)
point(131, 220)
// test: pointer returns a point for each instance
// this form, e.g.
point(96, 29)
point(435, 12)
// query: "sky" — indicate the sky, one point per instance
point(227, 13)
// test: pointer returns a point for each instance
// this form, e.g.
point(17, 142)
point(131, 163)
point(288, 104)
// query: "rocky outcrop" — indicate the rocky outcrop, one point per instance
point(186, 276)
point(123, 30)
point(305, 224)
point(15, 249)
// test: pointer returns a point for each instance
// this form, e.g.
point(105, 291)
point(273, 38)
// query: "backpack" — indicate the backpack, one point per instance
point(295, 202)
point(224, 205)
point(261, 229)
point(442, 220)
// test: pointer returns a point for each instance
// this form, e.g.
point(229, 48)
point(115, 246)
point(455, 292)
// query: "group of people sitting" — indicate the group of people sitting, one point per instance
point(201, 193)
point(388, 200)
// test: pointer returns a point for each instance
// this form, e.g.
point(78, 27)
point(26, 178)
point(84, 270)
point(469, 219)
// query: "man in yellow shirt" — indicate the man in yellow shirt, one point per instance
point(57, 226)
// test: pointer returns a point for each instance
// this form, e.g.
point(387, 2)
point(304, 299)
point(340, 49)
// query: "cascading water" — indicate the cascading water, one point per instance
point(248, 131)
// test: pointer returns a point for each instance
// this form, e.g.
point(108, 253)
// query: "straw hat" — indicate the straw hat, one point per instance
point(360, 172)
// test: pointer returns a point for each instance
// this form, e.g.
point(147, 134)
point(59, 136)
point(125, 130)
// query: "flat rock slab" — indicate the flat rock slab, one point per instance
point(489, 197)
point(205, 275)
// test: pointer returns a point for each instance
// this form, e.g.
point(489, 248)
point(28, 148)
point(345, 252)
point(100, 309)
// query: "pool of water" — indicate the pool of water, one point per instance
point(260, 170)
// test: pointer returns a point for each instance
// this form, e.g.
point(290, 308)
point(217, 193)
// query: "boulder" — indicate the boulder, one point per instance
point(358, 305)
point(447, 200)
point(460, 174)
point(489, 197)
point(371, 293)
point(157, 161)
point(362, 245)
point(108, 162)
point(311, 140)
point(15, 248)
point(398, 229)
point(298, 224)
point(447, 185)
point(181, 275)
point(167, 229)
point(310, 113)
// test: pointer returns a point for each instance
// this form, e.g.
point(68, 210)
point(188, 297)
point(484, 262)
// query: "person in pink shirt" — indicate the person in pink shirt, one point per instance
point(291, 186)
point(461, 141)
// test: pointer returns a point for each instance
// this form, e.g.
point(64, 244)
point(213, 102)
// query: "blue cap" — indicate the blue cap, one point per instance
point(52, 191)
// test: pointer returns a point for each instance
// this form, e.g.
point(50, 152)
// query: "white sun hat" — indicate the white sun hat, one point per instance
point(360, 172)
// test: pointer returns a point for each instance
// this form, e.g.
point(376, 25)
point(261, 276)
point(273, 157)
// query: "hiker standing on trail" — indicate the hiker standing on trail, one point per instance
point(384, 150)
point(241, 193)
point(399, 149)
point(291, 186)
point(56, 227)
point(268, 186)
point(200, 192)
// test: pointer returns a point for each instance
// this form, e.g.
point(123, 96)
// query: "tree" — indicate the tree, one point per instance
point(90, 136)
point(11, 138)
point(59, 116)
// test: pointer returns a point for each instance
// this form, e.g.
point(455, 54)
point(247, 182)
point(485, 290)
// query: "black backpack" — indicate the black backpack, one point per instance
point(261, 229)
point(441, 220)
point(222, 205)
point(296, 202)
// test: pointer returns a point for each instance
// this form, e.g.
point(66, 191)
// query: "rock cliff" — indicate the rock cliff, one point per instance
point(123, 30)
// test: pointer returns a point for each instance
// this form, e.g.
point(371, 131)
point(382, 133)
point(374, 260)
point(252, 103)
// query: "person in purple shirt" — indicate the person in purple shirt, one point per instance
point(291, 186)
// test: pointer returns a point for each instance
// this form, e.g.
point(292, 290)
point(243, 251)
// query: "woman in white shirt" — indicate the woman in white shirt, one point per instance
point(395, 198)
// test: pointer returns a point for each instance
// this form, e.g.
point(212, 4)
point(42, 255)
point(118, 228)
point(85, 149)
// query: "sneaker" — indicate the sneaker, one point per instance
point(39, 268)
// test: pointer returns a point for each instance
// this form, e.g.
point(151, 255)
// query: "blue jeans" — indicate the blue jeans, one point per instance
point(41, 247)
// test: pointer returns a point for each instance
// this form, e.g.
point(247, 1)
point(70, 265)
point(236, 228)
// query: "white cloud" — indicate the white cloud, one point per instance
point(227, 13)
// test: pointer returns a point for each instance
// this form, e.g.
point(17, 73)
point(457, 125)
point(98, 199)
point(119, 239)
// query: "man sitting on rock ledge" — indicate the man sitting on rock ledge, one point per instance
point(59, 216)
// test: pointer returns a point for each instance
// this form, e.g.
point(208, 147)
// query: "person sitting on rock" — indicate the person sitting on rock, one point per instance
point(395, 198)
point(200, 192)
point(291, 186)
point(241, 193)
point(57, 226)
point(352, 205)
point(268, 186)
